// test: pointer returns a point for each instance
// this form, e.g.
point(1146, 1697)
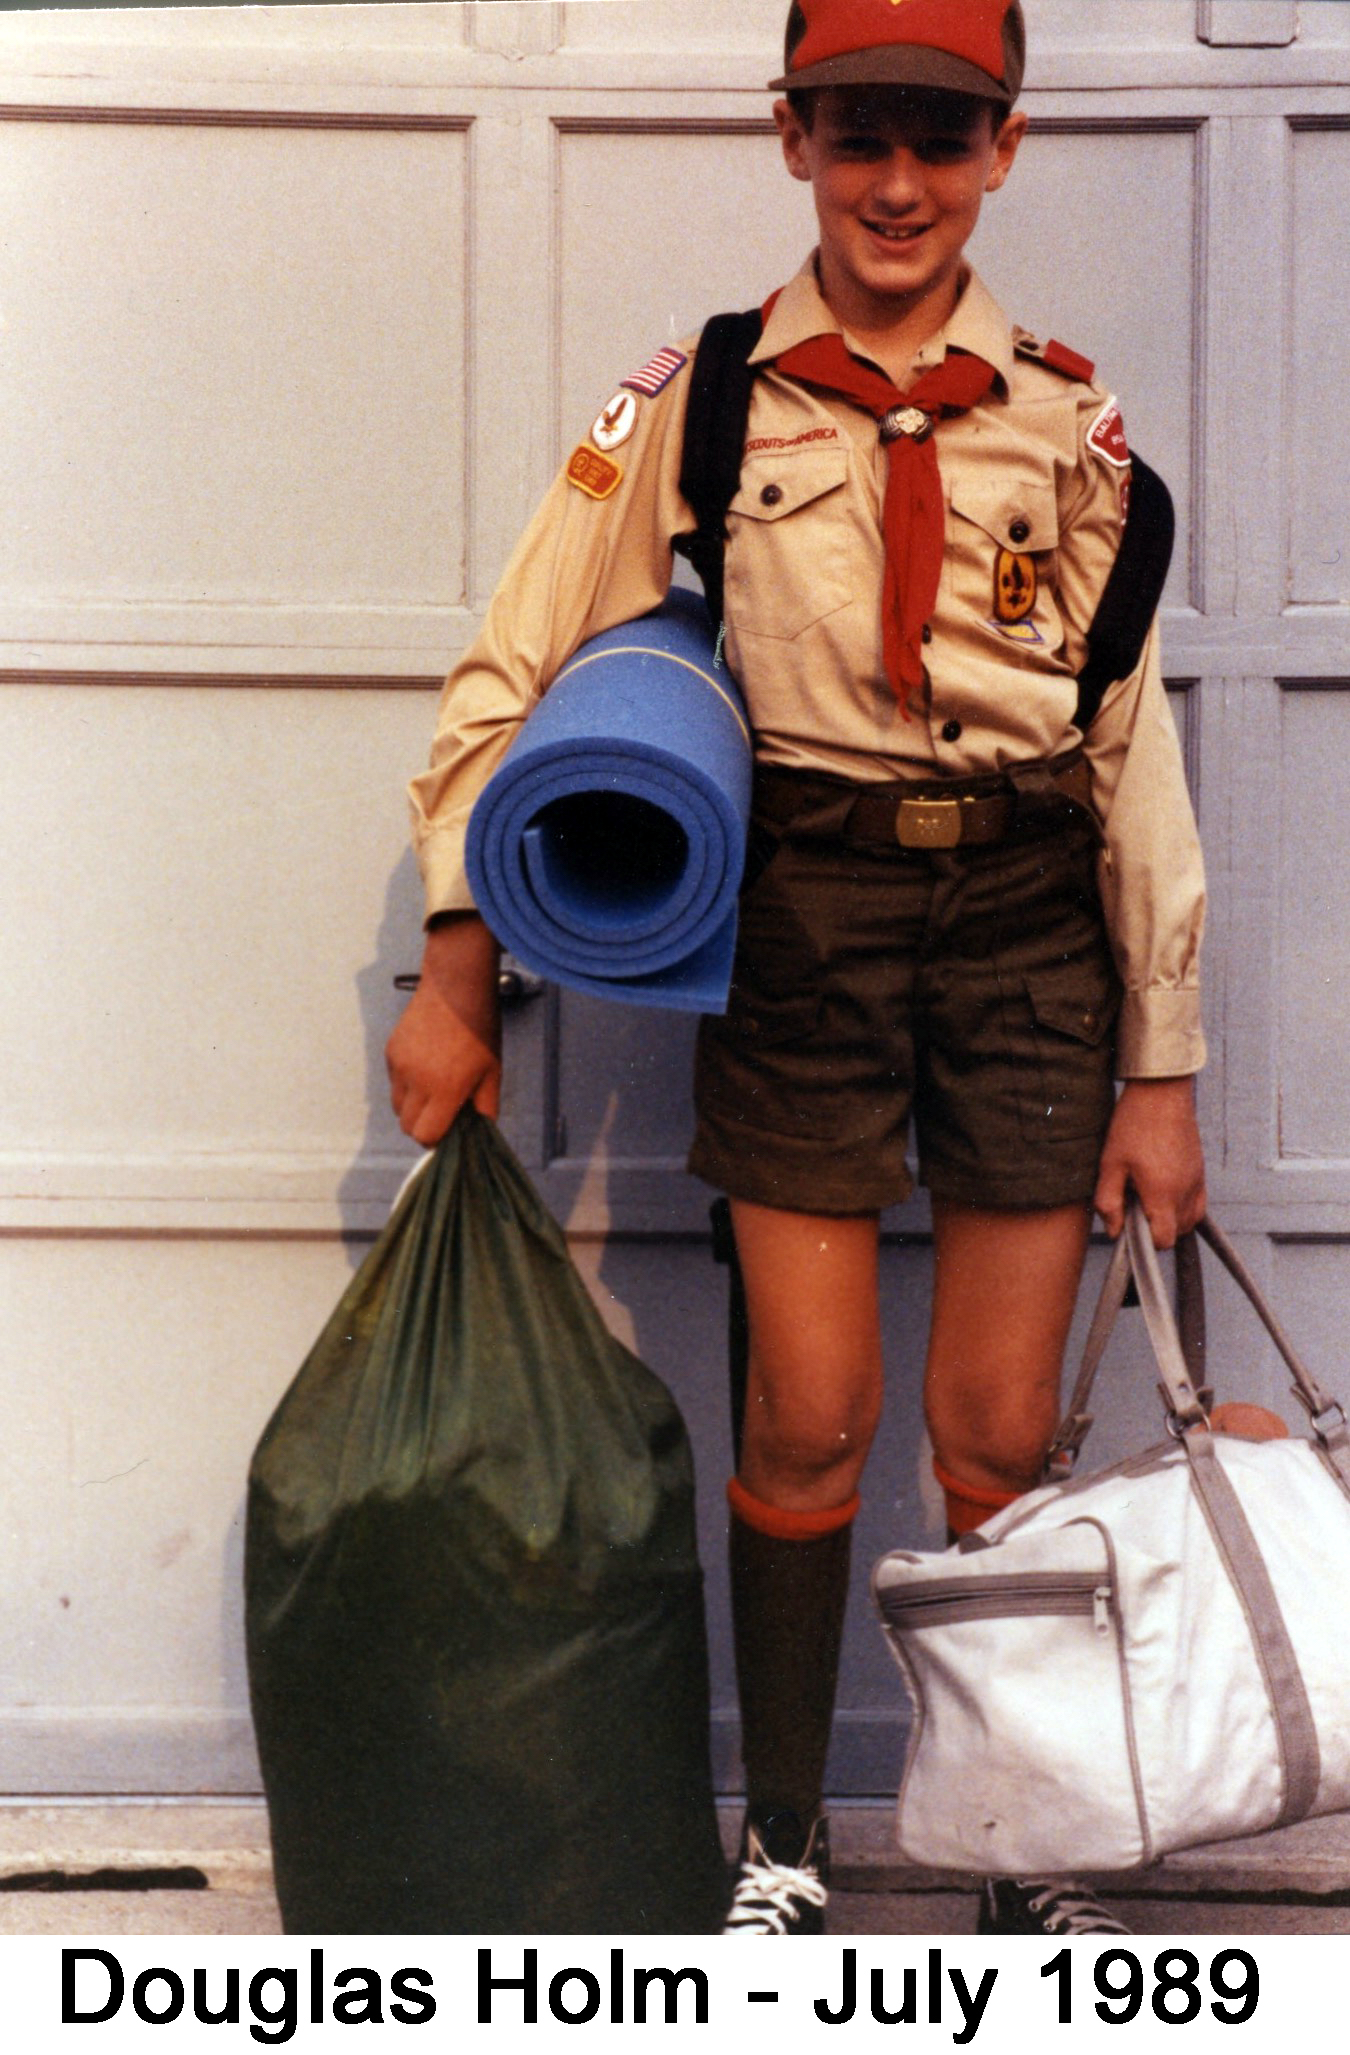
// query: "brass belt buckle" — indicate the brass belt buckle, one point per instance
point(928, 823)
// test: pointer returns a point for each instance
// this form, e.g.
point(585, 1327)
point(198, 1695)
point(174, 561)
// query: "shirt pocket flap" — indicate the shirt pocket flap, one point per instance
point(1020, 514)
point(772, 486)
point(1067, 1012)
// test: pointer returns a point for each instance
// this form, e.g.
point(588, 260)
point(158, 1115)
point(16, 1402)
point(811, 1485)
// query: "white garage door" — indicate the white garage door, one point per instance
point(299, 307)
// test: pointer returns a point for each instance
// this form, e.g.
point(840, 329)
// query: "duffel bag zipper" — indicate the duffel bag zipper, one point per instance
point(955, 1599)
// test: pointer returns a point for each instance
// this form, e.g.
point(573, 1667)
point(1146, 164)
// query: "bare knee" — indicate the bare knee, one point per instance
point(1000, 1444)
point(1005, 1287)
point(807, 1453)
point(814, 1394)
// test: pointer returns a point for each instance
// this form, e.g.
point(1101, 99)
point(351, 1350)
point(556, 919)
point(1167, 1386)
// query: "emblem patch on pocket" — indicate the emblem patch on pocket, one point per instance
point(1014, 586)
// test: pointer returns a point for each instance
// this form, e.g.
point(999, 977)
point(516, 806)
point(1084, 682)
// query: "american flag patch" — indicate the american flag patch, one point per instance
point(658, 372)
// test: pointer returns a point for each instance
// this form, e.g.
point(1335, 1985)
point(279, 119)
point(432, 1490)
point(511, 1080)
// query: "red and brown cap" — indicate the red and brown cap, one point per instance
point(960, 46)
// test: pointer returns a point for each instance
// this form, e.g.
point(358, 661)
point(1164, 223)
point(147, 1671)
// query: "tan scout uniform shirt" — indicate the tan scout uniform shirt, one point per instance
point(804, 568)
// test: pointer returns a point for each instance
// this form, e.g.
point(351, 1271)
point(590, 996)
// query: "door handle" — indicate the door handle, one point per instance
point(517, 986)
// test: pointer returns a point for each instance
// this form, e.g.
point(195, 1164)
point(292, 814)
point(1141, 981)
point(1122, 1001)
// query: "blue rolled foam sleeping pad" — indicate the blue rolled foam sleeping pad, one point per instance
point(606, 850)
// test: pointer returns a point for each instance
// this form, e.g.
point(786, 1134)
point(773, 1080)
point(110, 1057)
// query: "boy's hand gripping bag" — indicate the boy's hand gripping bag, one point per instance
point(476, 1640)
point(1144, 1660)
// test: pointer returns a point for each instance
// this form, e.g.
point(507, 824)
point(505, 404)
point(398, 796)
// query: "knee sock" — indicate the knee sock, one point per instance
point(969, 1505)
point(789, 1586)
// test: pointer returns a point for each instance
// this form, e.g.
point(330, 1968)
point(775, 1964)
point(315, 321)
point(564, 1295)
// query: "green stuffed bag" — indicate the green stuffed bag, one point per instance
point(476, 1639)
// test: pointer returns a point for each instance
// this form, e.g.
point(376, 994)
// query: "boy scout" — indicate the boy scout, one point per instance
point(929, 506)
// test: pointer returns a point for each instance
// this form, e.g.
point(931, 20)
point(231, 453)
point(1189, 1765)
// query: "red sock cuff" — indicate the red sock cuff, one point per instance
point(969, 1505)
point(783, 1524)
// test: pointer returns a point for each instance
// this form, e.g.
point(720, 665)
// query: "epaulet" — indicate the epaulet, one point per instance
point(1057, 355)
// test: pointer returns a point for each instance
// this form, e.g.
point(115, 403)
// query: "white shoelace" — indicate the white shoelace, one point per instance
point(1075, 1910)
point(767, 1897)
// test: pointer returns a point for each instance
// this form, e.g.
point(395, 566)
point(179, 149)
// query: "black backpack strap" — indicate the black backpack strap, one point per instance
point(714, 439)
point(1130, 598)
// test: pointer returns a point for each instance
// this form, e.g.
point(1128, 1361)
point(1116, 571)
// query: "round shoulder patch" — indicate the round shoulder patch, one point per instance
point(616, 421)
point(1106, 437)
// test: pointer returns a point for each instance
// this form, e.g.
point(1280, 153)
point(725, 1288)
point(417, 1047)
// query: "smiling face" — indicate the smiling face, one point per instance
point(898, 177)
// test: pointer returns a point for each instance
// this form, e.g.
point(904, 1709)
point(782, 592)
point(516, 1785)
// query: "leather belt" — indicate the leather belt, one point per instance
point(957, 813)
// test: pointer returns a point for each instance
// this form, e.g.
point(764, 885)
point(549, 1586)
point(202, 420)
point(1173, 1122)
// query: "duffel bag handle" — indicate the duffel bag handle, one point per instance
point(1183, 1405)
point(1073, 1428)
point(1180, 1356)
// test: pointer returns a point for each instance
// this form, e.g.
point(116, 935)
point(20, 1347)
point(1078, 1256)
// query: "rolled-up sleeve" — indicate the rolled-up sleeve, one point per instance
point(583, 565)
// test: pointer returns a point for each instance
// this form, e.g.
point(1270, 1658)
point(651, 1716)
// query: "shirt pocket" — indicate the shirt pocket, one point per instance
point(787, 561)
point(1002, 535)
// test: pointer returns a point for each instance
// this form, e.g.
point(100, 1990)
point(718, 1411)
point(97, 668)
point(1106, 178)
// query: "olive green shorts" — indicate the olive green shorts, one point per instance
point(971, 988)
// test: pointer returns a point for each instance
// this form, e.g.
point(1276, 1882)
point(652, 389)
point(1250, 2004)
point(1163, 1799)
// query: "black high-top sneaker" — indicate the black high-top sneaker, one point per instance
point(1042, 1905)
point(783, 1876)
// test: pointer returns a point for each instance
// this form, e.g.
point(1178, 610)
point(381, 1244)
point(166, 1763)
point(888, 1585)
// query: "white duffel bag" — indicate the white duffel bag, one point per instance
point(1143, 1660)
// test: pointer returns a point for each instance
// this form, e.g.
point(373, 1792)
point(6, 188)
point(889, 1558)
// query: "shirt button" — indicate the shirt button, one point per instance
point(951, 731)
point(771, 495)
point(1019, 530)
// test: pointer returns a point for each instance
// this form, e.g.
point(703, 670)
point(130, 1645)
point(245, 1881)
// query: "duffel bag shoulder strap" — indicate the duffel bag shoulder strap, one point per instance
point(1326, 1413)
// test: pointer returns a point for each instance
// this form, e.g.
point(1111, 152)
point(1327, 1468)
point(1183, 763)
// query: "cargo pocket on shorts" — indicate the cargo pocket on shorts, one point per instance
point(1072, 1018)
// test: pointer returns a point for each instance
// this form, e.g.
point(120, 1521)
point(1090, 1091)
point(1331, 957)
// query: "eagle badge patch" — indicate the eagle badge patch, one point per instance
point(615, 422)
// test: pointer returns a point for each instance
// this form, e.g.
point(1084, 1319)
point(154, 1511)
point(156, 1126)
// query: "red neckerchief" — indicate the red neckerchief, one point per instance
point(913, 521)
